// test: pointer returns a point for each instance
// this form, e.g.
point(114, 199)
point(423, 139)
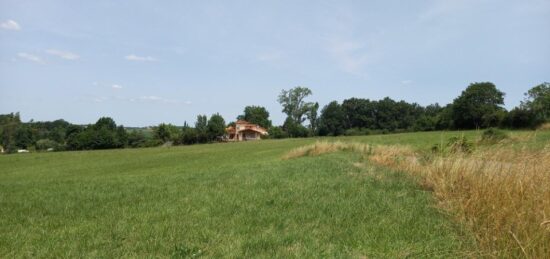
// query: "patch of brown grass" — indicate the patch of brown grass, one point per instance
point(502, 194)
point(545, 126)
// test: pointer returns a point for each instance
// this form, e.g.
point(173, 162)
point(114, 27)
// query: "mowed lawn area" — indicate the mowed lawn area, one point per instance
point(223, 200)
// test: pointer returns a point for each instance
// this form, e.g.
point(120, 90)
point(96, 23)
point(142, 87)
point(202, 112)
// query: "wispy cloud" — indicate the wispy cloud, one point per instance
point(63, 54)
point(133, 57)
point(115, 86)
point(349, 55)
point(10, 25)
point(30, 57)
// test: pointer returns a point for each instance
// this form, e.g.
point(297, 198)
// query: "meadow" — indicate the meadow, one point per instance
point(244, 200)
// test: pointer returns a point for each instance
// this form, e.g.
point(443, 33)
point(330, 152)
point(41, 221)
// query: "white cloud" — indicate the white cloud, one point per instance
point(10, 25)
point(115, 86)
point(348, 54)
point(133, 57)
point(63, 54)
point(30, 57)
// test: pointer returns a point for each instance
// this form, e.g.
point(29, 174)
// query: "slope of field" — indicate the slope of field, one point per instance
point(221, 200)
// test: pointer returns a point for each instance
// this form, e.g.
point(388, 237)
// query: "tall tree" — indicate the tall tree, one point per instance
point(201, 128)
point(332, 120)
point(9, 123)
point(216, 126)
point(293, 103)
point(478, 106)
point(311, 115)
point(537, 102)
point(257, 115)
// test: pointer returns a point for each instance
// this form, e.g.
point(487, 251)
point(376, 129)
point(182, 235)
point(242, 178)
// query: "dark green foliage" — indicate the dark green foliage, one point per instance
point(312, 116)
point(216, 127)
point(538, 102)
point(479, 106)
point(277, 133)
point(201, 128)
point(188, 136)
point(23, 136)
point(104, 134)
point(8, 127)
point(257, 115)
point(136, 138)
point(167, 133)
point(358, 132)
point(493, 135)
point(295, 130)
point(332, 120)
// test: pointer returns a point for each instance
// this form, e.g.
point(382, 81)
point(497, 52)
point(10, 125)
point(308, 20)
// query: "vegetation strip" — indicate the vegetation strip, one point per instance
point(501, 194)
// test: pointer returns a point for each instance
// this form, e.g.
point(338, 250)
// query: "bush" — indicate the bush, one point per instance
point(357, 132)
point(459, 145)
point(493, 135)
point(277, 133)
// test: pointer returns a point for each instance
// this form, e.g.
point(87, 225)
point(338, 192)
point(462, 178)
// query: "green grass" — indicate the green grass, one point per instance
point(221, 200)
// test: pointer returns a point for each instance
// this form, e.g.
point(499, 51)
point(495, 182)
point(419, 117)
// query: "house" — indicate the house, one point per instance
point(244, 130)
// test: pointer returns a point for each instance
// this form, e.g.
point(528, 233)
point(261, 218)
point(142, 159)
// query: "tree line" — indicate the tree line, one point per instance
point(480, 105)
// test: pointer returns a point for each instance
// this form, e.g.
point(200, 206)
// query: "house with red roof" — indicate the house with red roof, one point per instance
point(244, 130)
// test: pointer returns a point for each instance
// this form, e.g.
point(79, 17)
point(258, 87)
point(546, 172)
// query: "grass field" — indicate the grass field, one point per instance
point(226, 200)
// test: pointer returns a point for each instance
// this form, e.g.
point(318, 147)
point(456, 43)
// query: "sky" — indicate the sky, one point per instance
point(146, 62)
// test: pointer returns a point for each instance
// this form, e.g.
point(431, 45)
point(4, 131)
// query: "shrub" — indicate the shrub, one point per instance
point(493, 135)
point(357, 132)
point(459, 145)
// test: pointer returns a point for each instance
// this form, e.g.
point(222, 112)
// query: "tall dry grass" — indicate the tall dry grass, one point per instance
point(501, 194)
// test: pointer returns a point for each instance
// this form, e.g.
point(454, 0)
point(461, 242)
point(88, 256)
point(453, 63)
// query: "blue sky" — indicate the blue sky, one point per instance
point(146, 62)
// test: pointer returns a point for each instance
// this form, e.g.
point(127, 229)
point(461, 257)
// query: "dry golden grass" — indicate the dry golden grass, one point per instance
point(501, 194)
point(545, 126)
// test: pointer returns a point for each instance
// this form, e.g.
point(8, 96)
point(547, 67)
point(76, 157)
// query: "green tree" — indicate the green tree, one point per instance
point(293, 103)
point(9, 123)
point(122, 136)
point(23, 136)
point(167, 132)
point(359, 113)
point(136, 138)
point(105, 123)
point(478, 106)
point(216, 126)
point(312, 116)
point(294, 130)
point(257, 115)
point(188, 135)
point(537, 101)
point(201, 128)
point(332, 120)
